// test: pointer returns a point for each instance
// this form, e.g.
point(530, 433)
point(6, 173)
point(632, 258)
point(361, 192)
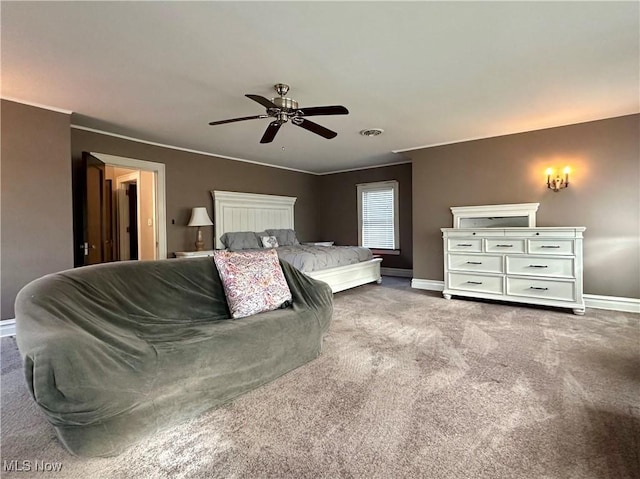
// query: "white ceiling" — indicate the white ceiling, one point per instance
point(426, 72)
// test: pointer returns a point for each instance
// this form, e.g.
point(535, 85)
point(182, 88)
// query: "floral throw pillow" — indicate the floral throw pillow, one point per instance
point(269, 242)
point(253, 281)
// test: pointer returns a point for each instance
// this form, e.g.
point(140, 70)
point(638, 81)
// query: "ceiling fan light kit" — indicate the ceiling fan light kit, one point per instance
point(283, 109)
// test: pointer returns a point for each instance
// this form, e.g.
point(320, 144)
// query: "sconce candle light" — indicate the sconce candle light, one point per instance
point(199, 218)
point(557, 183)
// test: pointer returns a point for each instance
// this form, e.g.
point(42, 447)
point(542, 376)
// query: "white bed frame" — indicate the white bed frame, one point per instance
point(254, 212)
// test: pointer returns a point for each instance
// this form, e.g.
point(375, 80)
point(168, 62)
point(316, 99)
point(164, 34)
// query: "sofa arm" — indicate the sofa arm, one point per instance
point(314, 293)
point(79, 368)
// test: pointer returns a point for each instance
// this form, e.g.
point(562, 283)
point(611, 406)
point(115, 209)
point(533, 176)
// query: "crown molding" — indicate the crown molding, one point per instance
point(187, 150)
point(364, 168)
point(445, 143)
point(37, 105)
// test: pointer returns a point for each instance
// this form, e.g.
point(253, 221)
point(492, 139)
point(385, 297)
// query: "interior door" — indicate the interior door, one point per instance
point(132, 193)
point(94, 211)
point(109, 225)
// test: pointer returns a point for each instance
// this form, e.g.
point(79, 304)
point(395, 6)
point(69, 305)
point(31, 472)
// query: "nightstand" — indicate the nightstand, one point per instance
point(193, 254)
point(319, 243)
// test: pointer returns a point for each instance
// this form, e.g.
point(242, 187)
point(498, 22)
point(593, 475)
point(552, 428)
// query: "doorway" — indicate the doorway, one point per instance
point(123, 210)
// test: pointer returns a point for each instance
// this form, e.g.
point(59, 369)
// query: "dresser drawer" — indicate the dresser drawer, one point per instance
point(473, 282)
point(465, 244)
point(552, 246)
point(469, 262)
point(504, 245)
point(541, 266)
point(540, 288)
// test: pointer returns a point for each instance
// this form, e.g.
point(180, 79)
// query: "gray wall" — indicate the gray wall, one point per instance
point(338, 217)
point(604, 193)
point(36, 197)
point(39, 149)
point(191, 176)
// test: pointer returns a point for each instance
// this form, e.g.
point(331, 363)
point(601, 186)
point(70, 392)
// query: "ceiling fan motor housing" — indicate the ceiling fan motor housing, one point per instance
point(286, 109)
point(285, 103)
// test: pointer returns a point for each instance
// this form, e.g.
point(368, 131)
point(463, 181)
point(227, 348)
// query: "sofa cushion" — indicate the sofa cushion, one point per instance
point(253, 281)
point(286, 237)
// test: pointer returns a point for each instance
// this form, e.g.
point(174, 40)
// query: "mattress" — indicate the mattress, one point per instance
point(307, 258)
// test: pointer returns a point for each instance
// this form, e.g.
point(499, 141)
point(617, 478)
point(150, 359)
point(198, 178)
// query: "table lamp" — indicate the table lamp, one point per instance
point(199, 218)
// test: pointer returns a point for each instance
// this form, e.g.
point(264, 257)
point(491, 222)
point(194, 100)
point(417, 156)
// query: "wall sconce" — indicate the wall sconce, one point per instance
point(557, 183)
point(199, 218)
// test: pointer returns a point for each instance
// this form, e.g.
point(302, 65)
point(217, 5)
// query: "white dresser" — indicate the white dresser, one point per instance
point(526, 265)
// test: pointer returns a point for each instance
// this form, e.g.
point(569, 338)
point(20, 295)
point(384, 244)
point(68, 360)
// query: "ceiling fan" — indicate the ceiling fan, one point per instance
point(284, 109)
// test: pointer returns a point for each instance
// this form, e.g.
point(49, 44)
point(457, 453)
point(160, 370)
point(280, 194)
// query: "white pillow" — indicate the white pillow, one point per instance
point(269, 242)
point(253, 281)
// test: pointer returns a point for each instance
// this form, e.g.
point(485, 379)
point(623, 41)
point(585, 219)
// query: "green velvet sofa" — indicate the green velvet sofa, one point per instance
point(115, 352)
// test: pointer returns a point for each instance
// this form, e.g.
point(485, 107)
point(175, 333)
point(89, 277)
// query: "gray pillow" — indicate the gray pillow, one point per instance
point(239, 240)
point(285, 237)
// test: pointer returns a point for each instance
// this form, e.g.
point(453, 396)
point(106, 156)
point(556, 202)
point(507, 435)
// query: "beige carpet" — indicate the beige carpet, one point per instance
point(408, 385)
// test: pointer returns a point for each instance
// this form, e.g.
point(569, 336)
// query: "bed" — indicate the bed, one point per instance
point(250, 212)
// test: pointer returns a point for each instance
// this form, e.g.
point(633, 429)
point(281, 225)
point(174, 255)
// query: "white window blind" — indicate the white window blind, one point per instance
point(378, 215)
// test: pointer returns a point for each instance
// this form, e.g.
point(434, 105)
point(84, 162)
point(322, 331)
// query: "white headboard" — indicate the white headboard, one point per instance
point(250, 212)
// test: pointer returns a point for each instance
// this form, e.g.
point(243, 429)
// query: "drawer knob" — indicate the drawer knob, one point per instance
point(464, 244)
point(474, 282)
point(550, 246)
point(538, 266)
point(474, 262)
point(538, 288)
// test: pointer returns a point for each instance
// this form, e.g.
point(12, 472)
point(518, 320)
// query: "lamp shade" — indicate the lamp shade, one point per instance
point(199, 217)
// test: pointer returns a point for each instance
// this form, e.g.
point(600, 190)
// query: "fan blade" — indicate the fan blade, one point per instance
point(314, 128)
point(263, 101)
point(323, 110)
point(222, 122)
point(270, 132)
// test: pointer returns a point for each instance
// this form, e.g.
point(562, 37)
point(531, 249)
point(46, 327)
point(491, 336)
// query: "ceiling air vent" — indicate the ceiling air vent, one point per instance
point(372, 132)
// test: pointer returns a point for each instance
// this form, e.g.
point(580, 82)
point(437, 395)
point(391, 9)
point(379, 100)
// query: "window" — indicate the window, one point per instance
point(378, 215)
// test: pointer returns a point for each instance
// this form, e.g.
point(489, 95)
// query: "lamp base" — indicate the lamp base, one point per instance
point(199, 241)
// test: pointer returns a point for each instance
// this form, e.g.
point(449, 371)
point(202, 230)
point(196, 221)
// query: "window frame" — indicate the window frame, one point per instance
point(378, 185)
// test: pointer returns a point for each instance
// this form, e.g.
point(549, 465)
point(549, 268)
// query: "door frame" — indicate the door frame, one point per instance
point(159, 190)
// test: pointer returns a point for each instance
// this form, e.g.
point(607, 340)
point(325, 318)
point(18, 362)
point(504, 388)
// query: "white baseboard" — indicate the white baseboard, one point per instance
point(428, 284)
point(7, 327)
point(611, 303)
point(400, 272)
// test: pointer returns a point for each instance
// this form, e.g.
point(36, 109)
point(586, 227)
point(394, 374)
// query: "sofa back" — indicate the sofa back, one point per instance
point(114, 294)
